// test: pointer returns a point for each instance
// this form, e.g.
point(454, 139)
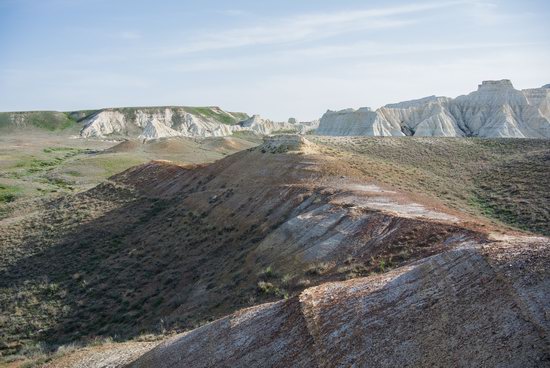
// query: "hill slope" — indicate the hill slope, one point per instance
point(467, 306)
point(168, 247)
point(36, 165)
point(503, 179)
point(150, 123)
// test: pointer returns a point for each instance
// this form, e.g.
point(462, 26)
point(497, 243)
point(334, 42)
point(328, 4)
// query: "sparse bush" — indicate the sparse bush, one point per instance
point(318, 269)
point(267, 273)
point(267, 288)
point(286, 279)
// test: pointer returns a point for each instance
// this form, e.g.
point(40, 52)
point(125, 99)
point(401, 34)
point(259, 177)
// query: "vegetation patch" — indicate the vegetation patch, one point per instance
point(8, 193)
point(316, 269)
point(211, 113)
point(515, 192)
point(45, 120)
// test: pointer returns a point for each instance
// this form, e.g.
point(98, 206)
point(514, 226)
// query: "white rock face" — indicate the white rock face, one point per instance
point(363, 121)
point(496, 109)
point(154, 123)
point(540, 98)
point(155, 129)
point(104, 123)
point(265, 126)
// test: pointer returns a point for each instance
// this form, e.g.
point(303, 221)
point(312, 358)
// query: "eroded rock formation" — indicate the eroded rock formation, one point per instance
point(153, 123)
point(496, 109)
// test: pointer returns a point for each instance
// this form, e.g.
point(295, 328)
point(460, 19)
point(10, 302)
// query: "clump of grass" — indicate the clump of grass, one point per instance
point(268, 288)
point(317, 269)
point(8, 193)
point(58, 183)
point(353, 270)
point(61, 149)
point(267, 273)
point(74, 173)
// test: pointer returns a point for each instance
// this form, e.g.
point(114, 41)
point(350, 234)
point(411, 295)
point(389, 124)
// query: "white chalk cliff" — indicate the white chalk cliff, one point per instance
point(152, 123)
point(496, 109)
point(161, 122)
point(265, 126)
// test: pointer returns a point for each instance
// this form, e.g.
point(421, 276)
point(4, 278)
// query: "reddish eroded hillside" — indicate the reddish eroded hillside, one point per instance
point(163, 246)
point(474, 305)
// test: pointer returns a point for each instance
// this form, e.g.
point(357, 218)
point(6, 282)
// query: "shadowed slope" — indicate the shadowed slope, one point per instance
point(163, 246)
point(474, 305)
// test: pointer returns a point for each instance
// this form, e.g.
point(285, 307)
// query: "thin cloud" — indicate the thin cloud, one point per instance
point(360, 50)
point(308, 27)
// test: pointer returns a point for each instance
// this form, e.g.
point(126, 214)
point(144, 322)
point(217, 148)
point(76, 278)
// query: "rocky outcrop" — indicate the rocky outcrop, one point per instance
point(496, 109)
point(476, 305)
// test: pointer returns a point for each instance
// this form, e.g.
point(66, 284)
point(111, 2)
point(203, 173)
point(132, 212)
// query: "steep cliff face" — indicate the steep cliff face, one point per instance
point(363, 121)
point(496, 109)
point(151, 123)
point(265, 126)
point(540, 98)
point(161, 122)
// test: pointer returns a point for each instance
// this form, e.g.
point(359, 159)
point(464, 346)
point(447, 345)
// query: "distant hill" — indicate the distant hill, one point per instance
point(119, 121)
point(495, 110)
point(153, 122)
point(44, 120)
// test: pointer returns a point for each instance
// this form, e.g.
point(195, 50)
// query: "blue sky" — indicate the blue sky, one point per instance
point(276, 58)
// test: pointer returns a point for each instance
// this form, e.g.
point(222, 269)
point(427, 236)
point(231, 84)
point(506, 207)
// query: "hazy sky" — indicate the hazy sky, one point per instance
point(276, 58)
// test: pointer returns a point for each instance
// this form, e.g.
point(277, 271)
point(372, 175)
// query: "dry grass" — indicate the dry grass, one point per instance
point(503, 179)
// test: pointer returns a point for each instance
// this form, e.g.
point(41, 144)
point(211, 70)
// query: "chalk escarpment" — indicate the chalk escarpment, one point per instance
point(495, 110)
point(153, 123)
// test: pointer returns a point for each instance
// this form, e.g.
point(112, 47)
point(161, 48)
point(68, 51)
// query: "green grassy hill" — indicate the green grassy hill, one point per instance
point(43, 120)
